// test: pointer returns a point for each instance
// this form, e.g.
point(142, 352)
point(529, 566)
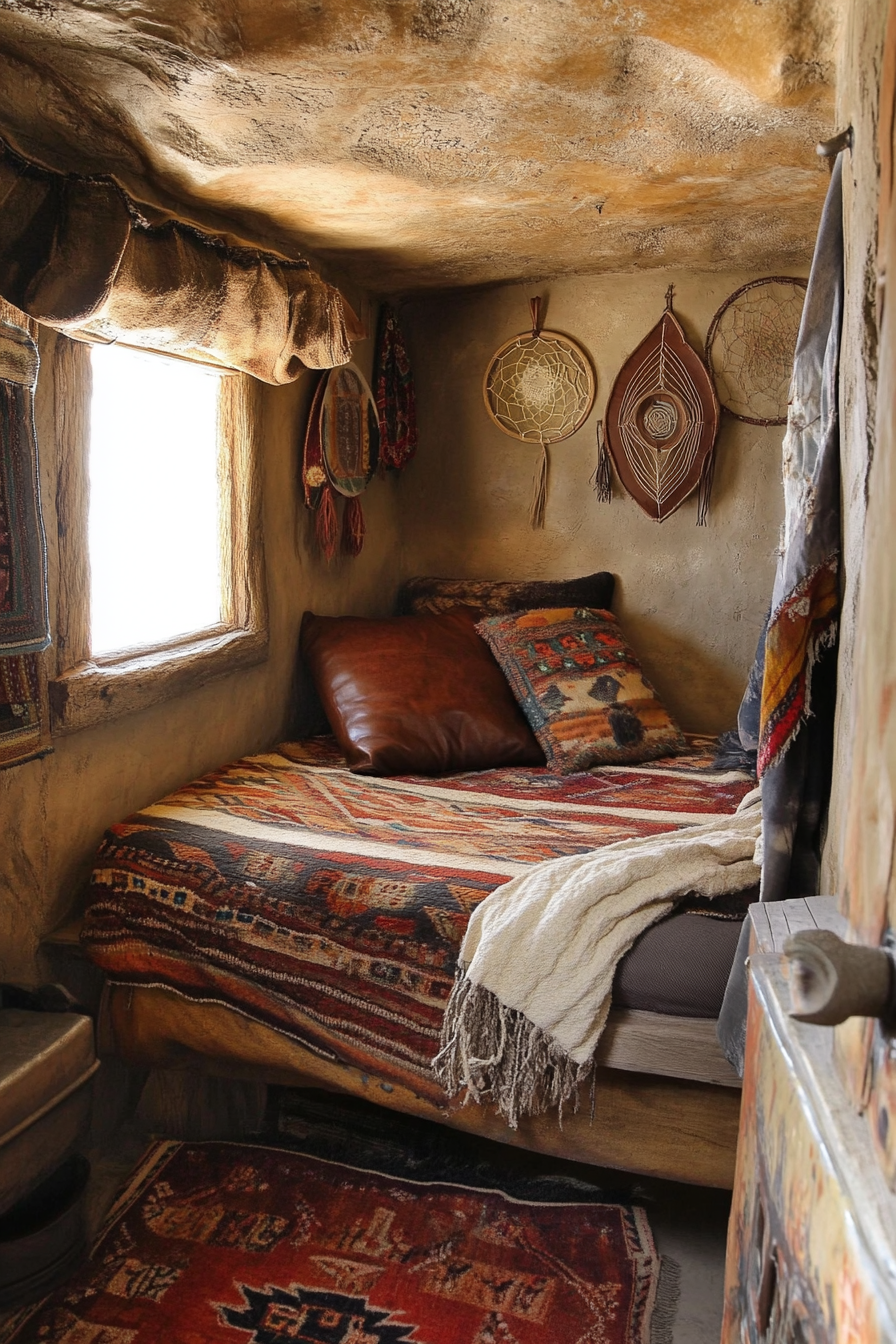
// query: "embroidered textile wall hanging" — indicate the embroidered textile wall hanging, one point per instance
point(393, 385)
point(539, 387)
point(342, 444)
point(750, 346)
point(24, 718)
point(24, 622)
point(662, 420)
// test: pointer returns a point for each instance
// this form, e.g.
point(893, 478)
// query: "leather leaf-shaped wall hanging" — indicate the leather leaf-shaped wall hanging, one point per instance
point(662, 420)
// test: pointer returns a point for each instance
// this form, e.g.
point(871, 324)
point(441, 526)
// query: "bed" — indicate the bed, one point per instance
point(287, 920)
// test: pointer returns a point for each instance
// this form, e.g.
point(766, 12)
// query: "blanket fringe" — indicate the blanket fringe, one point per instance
point(494, 1053)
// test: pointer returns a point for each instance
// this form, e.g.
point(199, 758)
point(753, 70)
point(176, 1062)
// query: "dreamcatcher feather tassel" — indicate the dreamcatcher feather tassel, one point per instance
point(353, 526)
point(539, 490)
point(602, 476)
point(704, 489)
point(326, 524)
point(539, 388)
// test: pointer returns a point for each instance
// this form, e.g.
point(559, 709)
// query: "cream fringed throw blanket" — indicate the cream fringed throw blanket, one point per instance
point(537, 963)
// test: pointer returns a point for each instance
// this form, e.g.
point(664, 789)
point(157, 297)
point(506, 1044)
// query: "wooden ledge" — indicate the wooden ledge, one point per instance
point(95, 692)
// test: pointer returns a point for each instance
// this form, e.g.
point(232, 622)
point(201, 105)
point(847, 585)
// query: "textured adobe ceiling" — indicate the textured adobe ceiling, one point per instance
point(421, 143)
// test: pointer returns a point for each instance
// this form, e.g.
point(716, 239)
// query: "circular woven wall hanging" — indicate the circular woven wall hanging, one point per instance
point(539, 387)
point(750, 345)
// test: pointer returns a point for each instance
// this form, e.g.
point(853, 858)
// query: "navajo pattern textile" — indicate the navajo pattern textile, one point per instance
point(581, 688)
point(803, 624)
point(223, 1243)
point(331, 906)
point(24, 625)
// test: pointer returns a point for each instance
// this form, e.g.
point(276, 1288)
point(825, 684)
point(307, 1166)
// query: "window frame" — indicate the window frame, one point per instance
point(86, 690)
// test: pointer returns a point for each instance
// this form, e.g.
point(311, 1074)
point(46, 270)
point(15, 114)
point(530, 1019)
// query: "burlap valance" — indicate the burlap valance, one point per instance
point(77, 254)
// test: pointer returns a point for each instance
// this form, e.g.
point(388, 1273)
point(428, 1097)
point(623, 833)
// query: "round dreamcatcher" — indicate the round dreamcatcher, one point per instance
point(539, 387)
point(750, 345)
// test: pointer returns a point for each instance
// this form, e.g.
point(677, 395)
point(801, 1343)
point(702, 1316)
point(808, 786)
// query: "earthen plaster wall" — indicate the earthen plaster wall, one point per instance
point(858, 95)
point(53, 811)
point(691, 599)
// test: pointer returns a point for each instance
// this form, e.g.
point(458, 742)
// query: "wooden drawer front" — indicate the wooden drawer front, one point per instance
point(797, 1269)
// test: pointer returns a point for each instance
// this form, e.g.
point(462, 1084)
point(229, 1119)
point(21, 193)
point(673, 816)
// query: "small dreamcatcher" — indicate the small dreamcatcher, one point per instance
point(750, 345)
point(539, 388)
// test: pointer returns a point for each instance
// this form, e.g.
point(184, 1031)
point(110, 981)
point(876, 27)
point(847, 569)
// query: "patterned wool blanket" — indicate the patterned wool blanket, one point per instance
point(332, 906)
point(538, 959)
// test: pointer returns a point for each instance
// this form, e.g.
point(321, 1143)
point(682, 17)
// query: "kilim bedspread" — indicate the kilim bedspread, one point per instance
point(331, 906)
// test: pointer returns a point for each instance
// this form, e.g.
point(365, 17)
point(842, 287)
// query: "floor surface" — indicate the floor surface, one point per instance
point(689, 1224)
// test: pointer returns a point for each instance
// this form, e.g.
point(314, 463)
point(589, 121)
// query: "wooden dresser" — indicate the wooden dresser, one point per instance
point(812, 1238)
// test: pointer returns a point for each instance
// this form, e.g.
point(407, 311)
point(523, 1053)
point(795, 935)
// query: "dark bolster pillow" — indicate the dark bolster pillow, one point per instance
point(415, 694)
point(493, 598)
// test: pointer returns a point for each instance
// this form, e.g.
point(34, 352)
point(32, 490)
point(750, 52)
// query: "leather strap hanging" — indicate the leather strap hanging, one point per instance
point(662, 420)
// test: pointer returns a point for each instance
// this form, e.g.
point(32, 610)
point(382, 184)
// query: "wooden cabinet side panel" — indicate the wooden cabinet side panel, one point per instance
point(793, 1255)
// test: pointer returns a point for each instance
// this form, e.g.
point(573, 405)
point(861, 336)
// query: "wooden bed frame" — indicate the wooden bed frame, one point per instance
point(666, 1101)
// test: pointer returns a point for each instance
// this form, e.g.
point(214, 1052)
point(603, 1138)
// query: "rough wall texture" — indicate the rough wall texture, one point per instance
point(692, 600)
point(54, 810)
point(431, 143)
point(857, 106)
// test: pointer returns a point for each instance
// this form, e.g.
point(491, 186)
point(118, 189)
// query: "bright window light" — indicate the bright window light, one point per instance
point(155, 566)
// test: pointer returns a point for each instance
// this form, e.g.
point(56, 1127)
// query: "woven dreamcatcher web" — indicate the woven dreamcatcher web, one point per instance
point(539, 388)
point(662, 419)
point(750, 345)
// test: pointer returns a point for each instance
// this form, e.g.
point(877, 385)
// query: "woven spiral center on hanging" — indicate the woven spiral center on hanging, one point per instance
point(660, 475)
point(539, 388)
point(661, 420)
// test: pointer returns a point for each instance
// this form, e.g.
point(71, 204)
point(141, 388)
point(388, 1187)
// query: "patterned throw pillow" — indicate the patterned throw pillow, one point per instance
point(581, 688)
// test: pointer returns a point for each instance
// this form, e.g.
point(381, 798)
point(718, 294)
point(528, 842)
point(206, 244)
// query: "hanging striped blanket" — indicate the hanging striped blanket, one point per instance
point(332, 906)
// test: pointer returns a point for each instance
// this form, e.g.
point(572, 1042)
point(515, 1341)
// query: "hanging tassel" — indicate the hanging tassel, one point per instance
point(704, 489)
point(353, 526)
point(539, 490)
point(602, 477)
point(326, 523)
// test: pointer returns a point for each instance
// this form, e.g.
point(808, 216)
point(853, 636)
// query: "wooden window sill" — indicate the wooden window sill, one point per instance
point(98, 691)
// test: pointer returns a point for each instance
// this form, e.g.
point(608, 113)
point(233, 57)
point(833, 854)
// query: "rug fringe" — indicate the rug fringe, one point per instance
point(665, 1305)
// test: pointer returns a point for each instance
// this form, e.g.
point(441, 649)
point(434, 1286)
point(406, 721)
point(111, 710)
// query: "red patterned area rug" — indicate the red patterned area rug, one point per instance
point(222, 1243)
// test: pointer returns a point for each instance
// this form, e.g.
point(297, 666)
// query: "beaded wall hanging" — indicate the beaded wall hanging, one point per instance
point(340, 456)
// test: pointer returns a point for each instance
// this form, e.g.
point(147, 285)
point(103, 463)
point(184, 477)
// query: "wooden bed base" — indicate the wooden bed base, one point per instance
point(672, 1127)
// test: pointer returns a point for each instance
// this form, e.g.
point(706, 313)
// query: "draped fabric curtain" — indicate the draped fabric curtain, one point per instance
point(78, 255)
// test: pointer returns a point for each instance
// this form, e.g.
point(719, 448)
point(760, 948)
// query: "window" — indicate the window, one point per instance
point(153, 517)
point(160, 582)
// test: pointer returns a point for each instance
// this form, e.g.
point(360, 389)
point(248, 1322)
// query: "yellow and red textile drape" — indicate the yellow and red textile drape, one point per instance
point(803, 624)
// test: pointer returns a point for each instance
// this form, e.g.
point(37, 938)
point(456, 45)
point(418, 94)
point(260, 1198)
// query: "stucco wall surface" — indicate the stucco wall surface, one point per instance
point(691, 599)
point(53, 811)
point(858, 96)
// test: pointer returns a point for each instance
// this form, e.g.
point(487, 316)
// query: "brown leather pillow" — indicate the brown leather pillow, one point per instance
point(415, 694)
